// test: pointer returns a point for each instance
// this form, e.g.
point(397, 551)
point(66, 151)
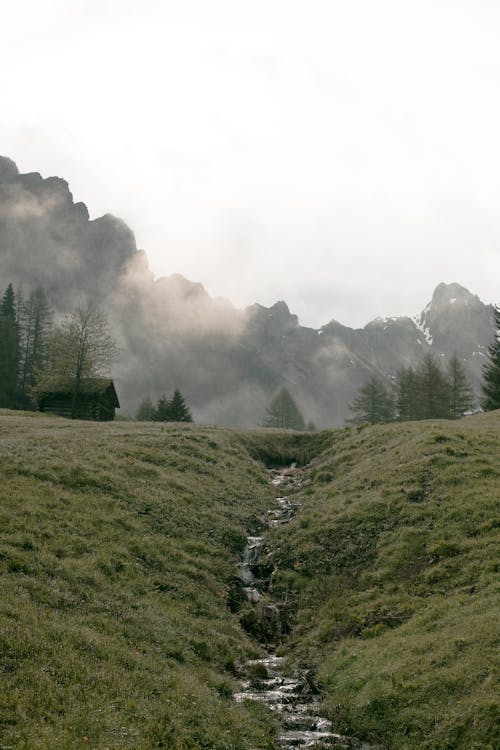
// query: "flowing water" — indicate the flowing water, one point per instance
point(295, 698)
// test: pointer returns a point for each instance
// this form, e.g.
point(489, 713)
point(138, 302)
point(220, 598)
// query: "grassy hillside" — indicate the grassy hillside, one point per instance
point(117, 543)
point(392, 562)
point(117, 548)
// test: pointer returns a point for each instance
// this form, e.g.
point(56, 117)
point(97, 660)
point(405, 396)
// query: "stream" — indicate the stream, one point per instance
point(294, 697)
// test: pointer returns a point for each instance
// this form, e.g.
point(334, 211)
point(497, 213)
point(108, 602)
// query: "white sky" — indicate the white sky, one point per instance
point(341, 155)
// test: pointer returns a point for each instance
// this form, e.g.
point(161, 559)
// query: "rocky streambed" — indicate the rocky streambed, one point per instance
point(294, 697)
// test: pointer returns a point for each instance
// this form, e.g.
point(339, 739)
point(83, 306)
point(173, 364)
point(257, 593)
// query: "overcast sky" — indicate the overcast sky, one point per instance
point(341, 155)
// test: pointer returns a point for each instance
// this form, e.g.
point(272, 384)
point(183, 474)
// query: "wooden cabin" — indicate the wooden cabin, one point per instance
point(97, 402)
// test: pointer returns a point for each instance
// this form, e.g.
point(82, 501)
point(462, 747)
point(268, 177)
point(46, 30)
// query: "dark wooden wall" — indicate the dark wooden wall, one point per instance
point(97, 406)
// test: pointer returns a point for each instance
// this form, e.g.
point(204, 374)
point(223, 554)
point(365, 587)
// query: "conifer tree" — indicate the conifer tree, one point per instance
point(162, 410)
point(461, 395)
point(36, 323)
point(172, 409)
point(433, 391)
point(407, 404)
point(373, 404)
point(179, 410)
point(284, 413)
point(491, 370)
point(9, 349)
point(146, 411)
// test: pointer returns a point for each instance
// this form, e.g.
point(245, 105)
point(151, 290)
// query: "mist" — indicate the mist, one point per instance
point(278, 151)
point(228, 362)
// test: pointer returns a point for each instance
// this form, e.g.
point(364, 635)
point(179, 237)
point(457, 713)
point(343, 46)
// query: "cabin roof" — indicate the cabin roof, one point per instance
point(94, 387)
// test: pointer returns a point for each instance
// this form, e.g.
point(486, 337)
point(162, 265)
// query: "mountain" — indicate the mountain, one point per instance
point(227, 362)
point(46, 238)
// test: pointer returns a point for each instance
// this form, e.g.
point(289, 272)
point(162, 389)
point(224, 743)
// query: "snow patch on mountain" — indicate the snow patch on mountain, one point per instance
point(420, 322)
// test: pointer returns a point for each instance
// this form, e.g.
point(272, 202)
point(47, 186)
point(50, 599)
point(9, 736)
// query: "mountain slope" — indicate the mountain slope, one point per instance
point(117, 546)
point(392, 562)
point(118, 549)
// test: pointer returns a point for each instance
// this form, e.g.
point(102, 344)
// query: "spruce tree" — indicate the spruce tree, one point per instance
point(434, 392)
point(35, 324)
point(146, 411)
point(407, 401)
point(9, 349)
point(179, 410)
point(491, 370)
point(172, 409)
point(284, 413)
point(162, 410)
point(461, 395)
point(373, 404)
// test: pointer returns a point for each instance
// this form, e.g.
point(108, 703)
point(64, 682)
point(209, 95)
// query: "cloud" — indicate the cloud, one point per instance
point(271, 151)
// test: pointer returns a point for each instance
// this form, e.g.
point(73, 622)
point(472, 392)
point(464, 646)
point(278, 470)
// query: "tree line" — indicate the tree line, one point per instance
point(39, 357)
point(25, 329)
point(428, 392)
point(425, 392)
point(173, 409)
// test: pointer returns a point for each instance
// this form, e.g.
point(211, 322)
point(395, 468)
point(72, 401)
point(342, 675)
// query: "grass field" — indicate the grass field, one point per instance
point(393, 563)
point(118, 543)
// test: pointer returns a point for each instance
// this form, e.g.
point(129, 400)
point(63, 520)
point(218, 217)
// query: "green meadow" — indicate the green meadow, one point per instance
point(392, 563)
point(118, 547)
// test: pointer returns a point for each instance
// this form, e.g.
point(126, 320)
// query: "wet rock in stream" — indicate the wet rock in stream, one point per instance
point(294, 698)
point(291, 697)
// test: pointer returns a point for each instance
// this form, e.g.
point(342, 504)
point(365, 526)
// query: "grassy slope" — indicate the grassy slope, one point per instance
point(116, 545)
point(393, 560)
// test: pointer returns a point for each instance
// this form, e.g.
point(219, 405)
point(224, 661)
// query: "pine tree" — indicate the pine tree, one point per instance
point(8, 306)
point(9, 349)
point(146, 411)
point(284, 413)
point(179, 410)
point(36, 323)
point(172, 409)
point(407, 402)
point(433, 391)
point(461, 395)
point(373, 404)
point(491, 370)
point(162, 410)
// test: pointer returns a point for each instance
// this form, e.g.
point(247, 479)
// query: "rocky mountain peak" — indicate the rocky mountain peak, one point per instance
point(47, 239)
point(277, 319)
point(281, 312)
point(8, 168)
point(451, 294)
point(455, 320)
